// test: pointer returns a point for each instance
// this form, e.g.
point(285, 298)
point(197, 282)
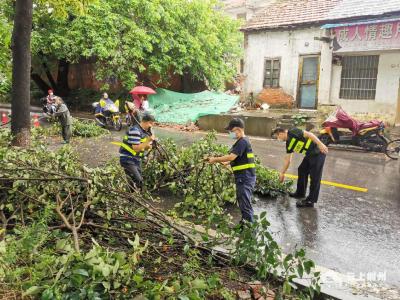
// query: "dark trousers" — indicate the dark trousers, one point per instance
point(244, 194)
point(312, 166)
point(133, 173)
point(66, 132)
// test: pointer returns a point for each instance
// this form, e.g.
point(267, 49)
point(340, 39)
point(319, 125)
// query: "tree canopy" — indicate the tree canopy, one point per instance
point(5, 53)
point(128, 37)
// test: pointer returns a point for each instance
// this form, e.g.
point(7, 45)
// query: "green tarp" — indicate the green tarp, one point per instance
point(172, 107)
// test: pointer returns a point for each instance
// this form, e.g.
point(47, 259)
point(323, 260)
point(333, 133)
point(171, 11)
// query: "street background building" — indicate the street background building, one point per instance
point(312, 53)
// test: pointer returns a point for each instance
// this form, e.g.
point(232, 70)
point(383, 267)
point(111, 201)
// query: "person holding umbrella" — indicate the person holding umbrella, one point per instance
point(140, 102)
point(138, 105)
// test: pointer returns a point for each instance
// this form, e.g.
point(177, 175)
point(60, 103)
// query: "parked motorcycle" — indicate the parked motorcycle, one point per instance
point(368, 136)
point(393, 149)
point(109, 117)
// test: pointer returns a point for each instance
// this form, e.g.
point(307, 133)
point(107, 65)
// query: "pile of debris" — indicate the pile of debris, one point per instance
point(256, 291)
point(190, 126)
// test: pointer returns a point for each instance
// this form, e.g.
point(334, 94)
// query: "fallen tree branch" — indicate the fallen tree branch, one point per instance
point(43, 179)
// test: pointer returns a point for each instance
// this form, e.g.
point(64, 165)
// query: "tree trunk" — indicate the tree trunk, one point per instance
point(21, 53)
point(42, 85)
point(49, 76)
point(62, 78)
point(190, 84)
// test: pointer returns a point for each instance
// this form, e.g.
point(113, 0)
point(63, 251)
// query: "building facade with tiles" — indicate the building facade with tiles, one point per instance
point(327, 52)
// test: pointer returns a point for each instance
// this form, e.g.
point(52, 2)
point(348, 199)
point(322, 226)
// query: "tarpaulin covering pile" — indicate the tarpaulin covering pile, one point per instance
point(172, 107)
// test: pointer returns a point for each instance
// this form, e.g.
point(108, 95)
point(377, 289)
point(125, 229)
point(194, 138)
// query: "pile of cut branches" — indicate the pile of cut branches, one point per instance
point(80, 128)
point(73, 232)
point(205, 188)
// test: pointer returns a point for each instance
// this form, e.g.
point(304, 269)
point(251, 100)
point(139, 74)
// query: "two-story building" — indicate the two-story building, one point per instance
point(343, 52)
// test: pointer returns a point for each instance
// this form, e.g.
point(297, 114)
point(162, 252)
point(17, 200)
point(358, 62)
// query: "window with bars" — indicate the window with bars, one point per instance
point(359, 74)
point(272, 72)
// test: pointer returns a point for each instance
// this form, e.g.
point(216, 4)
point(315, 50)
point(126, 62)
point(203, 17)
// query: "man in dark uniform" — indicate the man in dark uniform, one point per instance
point(241, 159)
point(133, 149)
point(315, 151)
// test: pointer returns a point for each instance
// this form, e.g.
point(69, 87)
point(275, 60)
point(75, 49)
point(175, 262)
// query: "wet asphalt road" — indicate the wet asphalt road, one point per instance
point(351, 232)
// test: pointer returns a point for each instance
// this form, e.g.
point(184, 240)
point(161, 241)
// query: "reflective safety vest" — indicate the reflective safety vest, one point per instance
point(299, 146)
point(244, 162)
point(124, 145)
point(249, 164)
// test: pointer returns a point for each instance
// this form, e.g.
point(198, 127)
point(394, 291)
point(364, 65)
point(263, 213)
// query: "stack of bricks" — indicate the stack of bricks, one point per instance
point(276, 98)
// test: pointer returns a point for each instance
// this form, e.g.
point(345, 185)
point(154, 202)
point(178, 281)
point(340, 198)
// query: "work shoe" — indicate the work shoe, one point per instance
point(295, 195)
point(304, 203)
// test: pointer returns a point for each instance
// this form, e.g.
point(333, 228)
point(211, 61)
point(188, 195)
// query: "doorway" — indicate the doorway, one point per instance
point(308, 82)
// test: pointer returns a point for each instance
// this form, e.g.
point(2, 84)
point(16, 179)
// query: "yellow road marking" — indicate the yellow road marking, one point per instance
point(335, 184)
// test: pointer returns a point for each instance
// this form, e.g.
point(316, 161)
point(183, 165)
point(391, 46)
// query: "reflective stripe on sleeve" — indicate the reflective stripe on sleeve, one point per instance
point(127, 148)
point(309, 141)
point(292, 142)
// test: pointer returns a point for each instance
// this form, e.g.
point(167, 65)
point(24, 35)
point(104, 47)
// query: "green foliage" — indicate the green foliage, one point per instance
point(162, 38)
point(61, 273)
point(299, 119)
point(123, 248)
point(5, 54)
point(256, 246)
point(206, 188)
point(62, 8)
point(152, 37)
point(185, 173)
point(207, 42)
point(50, 9)
point(268, 183)
point(55, 271)
point(87, 129)
point(38, 253)
point(80, 128)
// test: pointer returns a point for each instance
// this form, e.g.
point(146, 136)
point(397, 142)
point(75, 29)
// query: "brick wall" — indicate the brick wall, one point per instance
point(276, 98)
point(83, 75)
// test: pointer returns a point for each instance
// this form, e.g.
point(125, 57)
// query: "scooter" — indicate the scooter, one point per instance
point(48, 108)
point(109, 117)
point(368, 136)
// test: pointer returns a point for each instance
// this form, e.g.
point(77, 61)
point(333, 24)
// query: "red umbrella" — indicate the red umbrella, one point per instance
point(142, 90)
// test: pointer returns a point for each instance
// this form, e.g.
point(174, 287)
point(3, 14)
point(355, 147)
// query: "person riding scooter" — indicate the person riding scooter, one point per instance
point(102, 109)
point(49, 105)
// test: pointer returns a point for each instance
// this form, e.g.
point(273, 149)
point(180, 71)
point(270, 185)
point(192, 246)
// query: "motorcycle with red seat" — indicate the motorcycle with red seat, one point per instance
point(342, 129)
